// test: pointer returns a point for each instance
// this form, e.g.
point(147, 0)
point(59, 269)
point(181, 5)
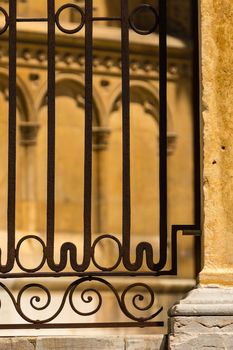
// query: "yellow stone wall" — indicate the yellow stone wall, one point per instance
point(217, 63)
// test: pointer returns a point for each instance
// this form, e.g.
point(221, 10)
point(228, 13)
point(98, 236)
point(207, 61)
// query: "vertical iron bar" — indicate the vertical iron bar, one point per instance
point(126, 203)
point(11, 137)
point(51, 126)
point(163, 130)
point(196, 134)
point(88, 129)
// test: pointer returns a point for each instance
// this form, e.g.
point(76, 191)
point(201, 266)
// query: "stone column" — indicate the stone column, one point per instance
point(100, 145)
point(28, 136)
point(204, 319)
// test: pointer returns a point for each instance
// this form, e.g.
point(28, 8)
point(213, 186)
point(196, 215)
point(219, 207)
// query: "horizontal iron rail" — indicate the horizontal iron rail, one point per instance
point(44, 19)
point(106, 19)
point(84, 325)
point(86, 273)
point(32, 19)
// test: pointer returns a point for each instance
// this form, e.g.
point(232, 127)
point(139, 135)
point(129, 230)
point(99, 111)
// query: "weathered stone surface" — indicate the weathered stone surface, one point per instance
point(204, 332)
point(145, 342)
point(202, 324)
point(204, 319)
point(201, 301)
point(80, 343)
point(15, 344)
point(203, 342)
point(217, 82)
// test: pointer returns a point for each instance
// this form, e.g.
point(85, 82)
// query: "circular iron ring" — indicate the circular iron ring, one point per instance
point(118, 259)
point(6, 20)
point(139, 9)
point(21, 241)
point(69, 31)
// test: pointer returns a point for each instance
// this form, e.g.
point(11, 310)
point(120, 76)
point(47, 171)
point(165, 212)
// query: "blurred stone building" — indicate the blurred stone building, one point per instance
point(107, 136)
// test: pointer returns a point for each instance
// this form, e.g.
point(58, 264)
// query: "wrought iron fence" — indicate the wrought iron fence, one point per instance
point(69, 251)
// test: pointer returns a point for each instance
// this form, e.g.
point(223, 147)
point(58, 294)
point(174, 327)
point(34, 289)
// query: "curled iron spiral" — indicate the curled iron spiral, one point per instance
point(86, 297)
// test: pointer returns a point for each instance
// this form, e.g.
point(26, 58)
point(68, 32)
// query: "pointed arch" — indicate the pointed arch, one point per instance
point(146, 95)
point(73, 85)
point(24, 100)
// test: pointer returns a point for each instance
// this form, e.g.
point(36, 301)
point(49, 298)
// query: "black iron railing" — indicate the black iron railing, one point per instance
point(69, 251)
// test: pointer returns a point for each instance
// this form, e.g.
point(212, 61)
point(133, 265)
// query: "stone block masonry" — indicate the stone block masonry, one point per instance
point(157, 342)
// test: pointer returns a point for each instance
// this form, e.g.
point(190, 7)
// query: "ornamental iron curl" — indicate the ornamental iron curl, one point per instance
point(86, 298)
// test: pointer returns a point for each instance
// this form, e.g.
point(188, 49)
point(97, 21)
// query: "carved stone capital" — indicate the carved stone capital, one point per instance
point(100, 137)
point(171, 142)
point(28, 133)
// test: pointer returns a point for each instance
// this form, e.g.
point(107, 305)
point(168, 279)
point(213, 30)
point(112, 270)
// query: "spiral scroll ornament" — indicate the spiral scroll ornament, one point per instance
point(77, 294)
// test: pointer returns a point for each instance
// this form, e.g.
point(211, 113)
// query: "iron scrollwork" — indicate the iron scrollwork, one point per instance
point(123, 266)
point(123, 255)
point(86, 296)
